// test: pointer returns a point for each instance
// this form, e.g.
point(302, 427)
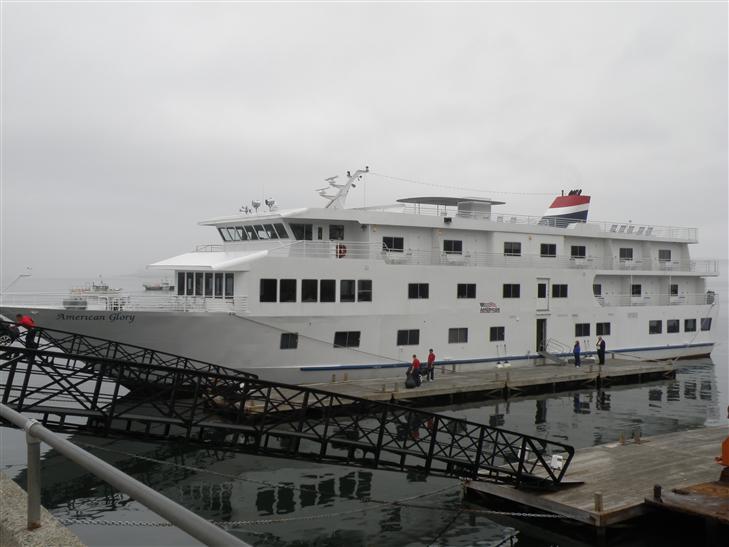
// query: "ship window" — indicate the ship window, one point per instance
point(229, 285)
point(270, 232)
point(224, 234)
point(636, 290)
point(602, 329)
point(234, 235)
point(346, 290)
point(453, 246)
point(541, 290)
point(302, 231)
point(582, 329)
point(251, 232)
point(241, 233)
point(418, 290)
point(260, 231)
point(512, 290)
point(346, 339)
point(281, 231)
point(706, 323)
point(287, 290)
point(336, 231)
point(198, 284)
point(408, 337)
point(364, 290)
point(626, 253)
point(219, 285)
point(512, 248)
point(578, 251)
point(672, 325)
point(268, 290)
point(393, 244)
point(180, 283)
point(319, 232)
point(327, 290)
point(309, 289)
point(190, 284)
point(289, 340)
point(674, 290)
point(458, 335)
point(466, 290)
point(208, 284)
point(664, 255)
point(548, 249)
point(559, 291)
point(597, 289)
point(689, 325)
point(655, 326)
point(496, 334)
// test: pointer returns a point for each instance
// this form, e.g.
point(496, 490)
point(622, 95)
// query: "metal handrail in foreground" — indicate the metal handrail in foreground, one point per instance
point(186, 520)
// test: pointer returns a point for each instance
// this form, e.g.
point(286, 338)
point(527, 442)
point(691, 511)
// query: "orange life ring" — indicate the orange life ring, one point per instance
point(341, 250)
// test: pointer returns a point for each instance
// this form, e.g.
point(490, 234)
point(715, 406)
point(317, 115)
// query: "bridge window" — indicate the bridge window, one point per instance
point(636, 290)
point(548, 249)
point(224, 234)
point(281, 231)
point(689, 325)
point(582, 329)
point(251, 232)
point(672, 325)
point(309, 290)
point(268, 292)
point(289, 340)
point(453, 246)
point(626, 253)
point(496, 334)
point(218, 285)
point(327, 290)
point(302, 231)
point(180, 283)
point(208, 284)
point(664, 255)
point(346, 339)
point(233, 233)
point(512, 290)
point(559, 291)
point(336, 231)
point(512, 248)
point(287, 290)
point(418, 290)
point(458, 335)
point(602, 329)
point(578, 251)
point(408, 337)
point(364, 290)
point(706, 323)
point(198, 284)
point(655, 326)
point(466, 290)
point(346, 290)
point(393, 244)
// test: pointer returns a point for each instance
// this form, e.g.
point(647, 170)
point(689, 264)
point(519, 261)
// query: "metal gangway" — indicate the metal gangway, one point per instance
point(81, 384)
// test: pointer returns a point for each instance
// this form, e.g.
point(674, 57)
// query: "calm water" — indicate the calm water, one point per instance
point(231, 487)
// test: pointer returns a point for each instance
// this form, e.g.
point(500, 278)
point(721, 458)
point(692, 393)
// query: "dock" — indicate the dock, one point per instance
point(451, 386)
point(615, 483)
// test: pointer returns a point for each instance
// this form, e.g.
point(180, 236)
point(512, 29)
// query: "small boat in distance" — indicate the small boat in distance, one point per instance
point(95, 288)
point(163, 285)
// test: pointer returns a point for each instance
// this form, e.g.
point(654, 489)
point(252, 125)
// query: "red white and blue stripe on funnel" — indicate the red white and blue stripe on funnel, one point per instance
point(567, 209)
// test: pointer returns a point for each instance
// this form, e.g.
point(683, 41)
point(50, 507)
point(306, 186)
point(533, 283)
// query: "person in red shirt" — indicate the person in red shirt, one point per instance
point(415, 369)
point(430, 372)
point(27, 322)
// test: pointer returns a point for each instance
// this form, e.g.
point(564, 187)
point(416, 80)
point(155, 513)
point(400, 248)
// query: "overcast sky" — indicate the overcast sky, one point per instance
point(126, 124)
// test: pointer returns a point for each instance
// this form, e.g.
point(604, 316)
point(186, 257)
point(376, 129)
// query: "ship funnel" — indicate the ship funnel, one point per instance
point(566, 210)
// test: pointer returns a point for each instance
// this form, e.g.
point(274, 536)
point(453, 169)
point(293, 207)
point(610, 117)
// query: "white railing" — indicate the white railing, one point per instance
point(612, 300)
point(126, 302)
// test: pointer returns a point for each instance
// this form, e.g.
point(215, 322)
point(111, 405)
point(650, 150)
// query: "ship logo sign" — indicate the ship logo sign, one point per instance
point(489, 307)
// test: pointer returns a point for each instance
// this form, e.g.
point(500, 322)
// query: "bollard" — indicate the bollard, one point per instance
point(621, 439)
point(453, 368)
point(657, 492)
point(598, 502)
point(334, 378)
point(636, 437)
point(34, 478)
point(346, 377)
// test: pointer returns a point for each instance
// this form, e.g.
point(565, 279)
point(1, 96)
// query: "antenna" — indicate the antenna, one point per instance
point(256, 204)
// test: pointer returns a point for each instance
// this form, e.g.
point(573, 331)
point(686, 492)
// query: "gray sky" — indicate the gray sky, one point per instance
point(126, 124)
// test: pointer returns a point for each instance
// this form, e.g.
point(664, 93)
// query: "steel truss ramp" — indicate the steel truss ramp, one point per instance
point(87, 385)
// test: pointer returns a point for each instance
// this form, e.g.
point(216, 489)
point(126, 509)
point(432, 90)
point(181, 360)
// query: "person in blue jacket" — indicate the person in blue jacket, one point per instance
point(576, 353)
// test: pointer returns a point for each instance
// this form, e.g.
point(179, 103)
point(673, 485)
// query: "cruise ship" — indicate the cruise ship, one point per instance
point(303, 295)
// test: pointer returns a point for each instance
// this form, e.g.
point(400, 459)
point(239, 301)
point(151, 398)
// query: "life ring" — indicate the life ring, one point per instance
point(341, 250)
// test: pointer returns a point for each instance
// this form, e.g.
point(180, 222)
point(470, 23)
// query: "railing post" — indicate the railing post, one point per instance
point(34, 477)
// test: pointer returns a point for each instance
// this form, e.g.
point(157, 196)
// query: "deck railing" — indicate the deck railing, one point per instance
point(610, 300)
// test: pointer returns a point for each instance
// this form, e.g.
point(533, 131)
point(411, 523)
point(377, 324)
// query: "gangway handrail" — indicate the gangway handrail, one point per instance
point(191, 523)
point(115, 397)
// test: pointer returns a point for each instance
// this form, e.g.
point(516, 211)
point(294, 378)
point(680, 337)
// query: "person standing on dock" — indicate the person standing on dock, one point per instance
point(430, 372)
point(576, 353)
point(415, 369)
point(600, 350)
point(27, 322)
